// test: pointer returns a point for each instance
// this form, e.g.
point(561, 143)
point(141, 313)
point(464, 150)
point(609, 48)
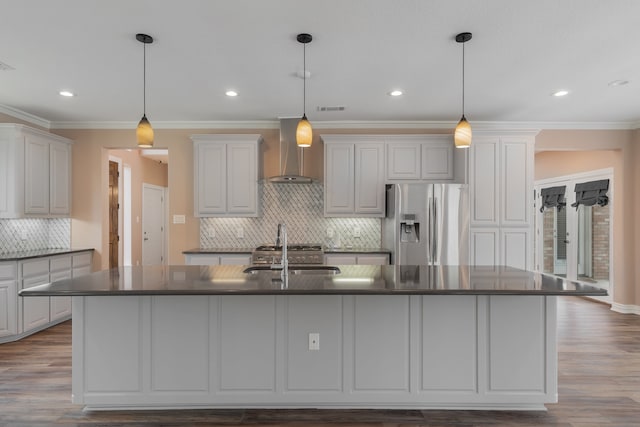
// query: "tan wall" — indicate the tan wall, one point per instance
point(563, 160)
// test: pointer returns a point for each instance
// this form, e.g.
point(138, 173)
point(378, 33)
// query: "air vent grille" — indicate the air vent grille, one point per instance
point(5, 67)
point(331, 108)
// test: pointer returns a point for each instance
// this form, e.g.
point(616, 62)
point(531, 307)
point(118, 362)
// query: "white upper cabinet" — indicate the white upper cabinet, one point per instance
point(423, 157)
point(353, 176)
point(501, 189)
point(35, 173)
point(226, 173)
point(403, 160)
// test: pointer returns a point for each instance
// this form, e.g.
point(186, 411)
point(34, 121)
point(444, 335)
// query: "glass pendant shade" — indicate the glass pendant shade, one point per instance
point(144, 133)
point(304, 133)
point(462, 135)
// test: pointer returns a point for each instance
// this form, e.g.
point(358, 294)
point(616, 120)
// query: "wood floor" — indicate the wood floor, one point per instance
point(599, 385)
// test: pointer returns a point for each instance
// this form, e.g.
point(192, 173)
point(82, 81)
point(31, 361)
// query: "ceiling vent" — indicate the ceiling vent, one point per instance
point(5, 67)
point(332, 108)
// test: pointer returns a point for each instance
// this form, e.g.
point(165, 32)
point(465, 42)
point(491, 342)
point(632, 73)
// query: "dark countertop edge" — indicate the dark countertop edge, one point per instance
point(34, 293)
point(205, 251)
point(17, 256)
point(357, 251)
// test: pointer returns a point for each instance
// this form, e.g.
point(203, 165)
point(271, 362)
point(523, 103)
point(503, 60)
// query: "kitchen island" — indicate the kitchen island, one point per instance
point(416, 337)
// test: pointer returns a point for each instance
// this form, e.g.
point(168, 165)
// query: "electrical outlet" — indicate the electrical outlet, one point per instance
point(24, 235)
point(211, 233)
point(240, 233)
point(356, 232)
point(329, 232)
point(314, 341)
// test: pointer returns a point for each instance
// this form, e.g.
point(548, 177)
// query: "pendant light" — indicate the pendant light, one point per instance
point(462, 134)
point(304, 133)
point(144, 132)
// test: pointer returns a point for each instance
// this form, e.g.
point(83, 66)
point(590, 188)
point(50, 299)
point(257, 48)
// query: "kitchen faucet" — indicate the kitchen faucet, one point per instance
point(284, 260)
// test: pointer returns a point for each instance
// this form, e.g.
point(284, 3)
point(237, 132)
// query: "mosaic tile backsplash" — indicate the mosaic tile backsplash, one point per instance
point(17, 235)
point(300, 206)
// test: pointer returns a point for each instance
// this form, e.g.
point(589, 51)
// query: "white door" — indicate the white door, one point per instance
point(153, 225)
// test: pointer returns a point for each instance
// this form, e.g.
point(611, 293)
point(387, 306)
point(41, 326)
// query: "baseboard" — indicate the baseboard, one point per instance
point(625, 308)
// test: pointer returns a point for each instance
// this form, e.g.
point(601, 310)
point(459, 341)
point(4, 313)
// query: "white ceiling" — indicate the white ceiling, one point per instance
point(521, 52)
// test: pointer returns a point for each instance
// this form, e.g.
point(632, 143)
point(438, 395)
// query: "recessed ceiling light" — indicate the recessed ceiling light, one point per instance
point(615, 83)
point(231, 93)
point(561, 93)
point(395, 93)
point(67, 93)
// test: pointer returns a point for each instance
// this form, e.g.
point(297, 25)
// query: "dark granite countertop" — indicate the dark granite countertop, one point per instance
point(39, 253)
point(197, 251)
point(353, 280)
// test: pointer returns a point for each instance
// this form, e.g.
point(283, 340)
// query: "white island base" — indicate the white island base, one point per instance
point(375, 351)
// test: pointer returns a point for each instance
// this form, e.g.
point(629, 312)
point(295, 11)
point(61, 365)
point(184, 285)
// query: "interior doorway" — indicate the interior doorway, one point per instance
point(153, 225)
point(114, 209)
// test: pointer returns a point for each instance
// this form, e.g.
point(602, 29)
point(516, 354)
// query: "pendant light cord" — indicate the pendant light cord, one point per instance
point(462, 79)
point(304, 79)
point(144, 79)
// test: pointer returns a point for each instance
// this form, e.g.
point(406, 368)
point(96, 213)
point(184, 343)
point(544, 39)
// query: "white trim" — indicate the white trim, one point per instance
point(625, 308)
point(319, 124)
point(27, 117)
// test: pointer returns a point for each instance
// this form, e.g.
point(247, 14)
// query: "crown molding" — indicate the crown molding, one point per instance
point(354, 124)
point(338, 124)
point(27, 117)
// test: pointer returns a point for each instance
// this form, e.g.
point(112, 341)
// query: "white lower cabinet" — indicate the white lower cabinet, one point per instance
point(22, 316)
point(356, 259)
point(217, 259)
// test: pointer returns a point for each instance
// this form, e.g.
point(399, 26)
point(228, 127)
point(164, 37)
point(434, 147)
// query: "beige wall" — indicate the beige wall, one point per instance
point(564, 158)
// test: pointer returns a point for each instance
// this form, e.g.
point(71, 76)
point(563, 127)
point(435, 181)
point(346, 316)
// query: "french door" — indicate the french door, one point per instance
point(576, 241)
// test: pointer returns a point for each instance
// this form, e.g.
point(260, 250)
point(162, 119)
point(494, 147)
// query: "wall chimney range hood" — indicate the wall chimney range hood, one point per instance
point(291, 156)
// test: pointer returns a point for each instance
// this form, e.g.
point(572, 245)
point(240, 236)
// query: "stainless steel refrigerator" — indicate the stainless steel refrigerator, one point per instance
point(427, 224)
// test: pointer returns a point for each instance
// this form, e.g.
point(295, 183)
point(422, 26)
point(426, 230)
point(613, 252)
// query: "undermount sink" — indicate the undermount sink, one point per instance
point(294, 269)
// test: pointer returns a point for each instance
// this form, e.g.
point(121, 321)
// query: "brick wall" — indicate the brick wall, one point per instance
point(547, 236)
point(600, 242)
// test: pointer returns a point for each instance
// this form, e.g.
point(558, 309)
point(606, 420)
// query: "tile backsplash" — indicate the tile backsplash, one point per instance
point(300, 206)
point(17, 235)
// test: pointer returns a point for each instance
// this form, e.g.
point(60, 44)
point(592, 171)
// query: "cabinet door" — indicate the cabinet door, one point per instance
point(210, 178)
point(437, 160)
point(373, 259)
point(516, 187)
point(60, 307)
point(339, 179)
point(484, 178)
point(201, 259)
point(8, 305)
point(60, 183)
point(369, 178)
point(239, 259)
point(36, 175)
point(515, 248)
point(340, 259)
point(484, 246)
point(403, 160)
point(242, 179)
point(35, 310)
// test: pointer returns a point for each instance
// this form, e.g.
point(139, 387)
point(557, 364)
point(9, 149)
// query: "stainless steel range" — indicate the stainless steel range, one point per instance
point(297, 254)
